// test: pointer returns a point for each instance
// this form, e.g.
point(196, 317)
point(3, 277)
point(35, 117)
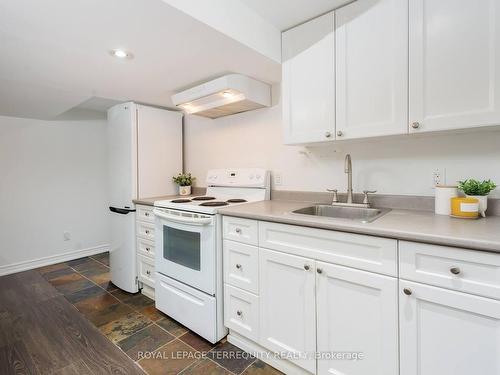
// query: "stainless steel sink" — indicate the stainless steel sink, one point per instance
point(362, 214)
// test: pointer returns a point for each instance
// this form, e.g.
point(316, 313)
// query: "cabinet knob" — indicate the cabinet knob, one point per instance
point(306, 267)
point(148, 249)
point(238, 230)
point(328, 134)
point(238, 266)
point(146, 214)
point(147, 231)
point(319, 270)
point(455, 270)
point(340, 133)
point(415, 125)
point(407, 291)
point(148, 273)
point(239, 313)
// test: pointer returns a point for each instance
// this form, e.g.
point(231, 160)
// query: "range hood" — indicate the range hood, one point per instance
point(224, 96)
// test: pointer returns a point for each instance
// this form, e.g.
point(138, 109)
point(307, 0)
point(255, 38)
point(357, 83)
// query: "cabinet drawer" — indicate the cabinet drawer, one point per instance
point(146, 270)
point(468, 271)
point(145, 230)
point(241, 230)
point(241, 265)
point(145, 247)
point(241, 312)
point(145, 213)
point(347, 249)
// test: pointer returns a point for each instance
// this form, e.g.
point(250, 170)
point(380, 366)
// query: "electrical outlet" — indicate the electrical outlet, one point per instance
point(67, 236)
point(438, 176)
point(278, 179)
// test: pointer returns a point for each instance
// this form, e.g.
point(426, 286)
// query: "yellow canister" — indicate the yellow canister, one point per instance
point(465, 208)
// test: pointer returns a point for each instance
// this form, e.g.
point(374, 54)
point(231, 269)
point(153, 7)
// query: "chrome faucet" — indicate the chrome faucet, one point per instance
point(348, 170)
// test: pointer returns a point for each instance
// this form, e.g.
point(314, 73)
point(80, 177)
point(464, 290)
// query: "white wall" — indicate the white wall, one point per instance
point(401, 165)
point(53, 178)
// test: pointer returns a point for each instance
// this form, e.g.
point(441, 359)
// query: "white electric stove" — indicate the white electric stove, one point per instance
point(188, 261)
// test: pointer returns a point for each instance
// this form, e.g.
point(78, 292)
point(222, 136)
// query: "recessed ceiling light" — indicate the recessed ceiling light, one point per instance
point(121, 54)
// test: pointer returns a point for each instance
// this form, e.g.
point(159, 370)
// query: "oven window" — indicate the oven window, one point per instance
point(182, 247)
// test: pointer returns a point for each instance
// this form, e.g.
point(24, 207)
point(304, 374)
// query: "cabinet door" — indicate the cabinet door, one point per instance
point(448, 333)
point(308, 81)
point(371, 39)
point(357, 311)
point(454, 64)
point(287, 306)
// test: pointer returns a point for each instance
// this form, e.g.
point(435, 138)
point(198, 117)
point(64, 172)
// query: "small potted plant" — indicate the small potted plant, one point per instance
point(185, 181)
point(479, 190)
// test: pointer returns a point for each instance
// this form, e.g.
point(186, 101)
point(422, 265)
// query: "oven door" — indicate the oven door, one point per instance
point(186, 247)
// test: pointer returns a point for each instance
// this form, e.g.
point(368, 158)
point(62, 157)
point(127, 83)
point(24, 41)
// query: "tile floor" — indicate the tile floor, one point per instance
point(157, 343)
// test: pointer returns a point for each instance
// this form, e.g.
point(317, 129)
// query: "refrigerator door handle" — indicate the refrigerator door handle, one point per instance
point(122, 211)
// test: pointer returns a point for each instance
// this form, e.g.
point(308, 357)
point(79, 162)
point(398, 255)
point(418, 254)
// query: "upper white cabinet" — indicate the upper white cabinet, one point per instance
point(371, 38)
point(447, 333)
point(454, 64)
point(308, 81)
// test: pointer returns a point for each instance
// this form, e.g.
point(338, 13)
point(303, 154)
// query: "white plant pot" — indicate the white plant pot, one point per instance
point(483, 203)
point(184, 190)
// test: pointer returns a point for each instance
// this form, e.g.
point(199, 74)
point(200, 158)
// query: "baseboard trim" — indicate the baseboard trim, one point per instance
point(53, 259)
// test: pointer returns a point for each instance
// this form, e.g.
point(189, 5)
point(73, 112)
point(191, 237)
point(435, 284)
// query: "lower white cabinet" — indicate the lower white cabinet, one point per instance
point(287, 306)
point(357, 312)
point(145, 249)
point(447, 332)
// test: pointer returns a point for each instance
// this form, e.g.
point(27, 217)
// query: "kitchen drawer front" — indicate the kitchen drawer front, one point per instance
point(241, 312)
point(468, 271)
point(146, 270)
point(145, 230)
point(144, 213)
point(241, 265)
point(146, 248)
point(241, 230)
point(367, 253)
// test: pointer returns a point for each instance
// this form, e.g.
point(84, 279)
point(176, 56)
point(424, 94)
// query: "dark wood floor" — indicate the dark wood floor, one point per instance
point(68, 318)
point(42, 333)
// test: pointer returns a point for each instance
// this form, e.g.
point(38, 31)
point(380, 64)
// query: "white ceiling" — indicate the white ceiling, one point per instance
point(284, 14)
point(54, 55)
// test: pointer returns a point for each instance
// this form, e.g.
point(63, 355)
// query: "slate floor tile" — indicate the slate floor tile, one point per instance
point(170, 359)
point(52, 267)
point(101, 279)
point(261, 368)
point(94, 270)
point(58, 273)
point(83, 294)
point(103, 258)
point(197, 342)
point(124, 327)
point(230, 357)
point(109, 314)
point(78, 261)
point(205, 367)
point(94, 304)
point(171, 326)
point(86, 265)
point(152, 313)
point(146, 340)
point(71, 283)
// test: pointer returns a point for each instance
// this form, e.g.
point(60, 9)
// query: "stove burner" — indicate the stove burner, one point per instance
point(236, 200)
point(181, 200)
point(203, 198)
point(214, 204)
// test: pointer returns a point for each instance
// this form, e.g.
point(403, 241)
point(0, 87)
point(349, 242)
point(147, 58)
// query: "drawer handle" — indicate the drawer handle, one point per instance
point(239, 313)
point(306, 267)
point(146, 214)
point(148, 273)
point(238, 230)
point(455, 270)
point(319, 270)
point(148, 249)
point(238, 266)
point(407, 291)
point(147, 231)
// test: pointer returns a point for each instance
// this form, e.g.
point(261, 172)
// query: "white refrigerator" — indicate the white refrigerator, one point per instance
point(145, 151)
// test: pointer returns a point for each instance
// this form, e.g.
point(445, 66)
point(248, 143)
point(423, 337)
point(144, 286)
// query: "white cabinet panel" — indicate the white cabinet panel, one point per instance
point(448, 333)
point(287, 305)
point(469, 271)
point(371, 38)
point(308, 81)
point(357, 311)
point(241, 312)
point(241, 265)
point(241, 230)
point(454, 64)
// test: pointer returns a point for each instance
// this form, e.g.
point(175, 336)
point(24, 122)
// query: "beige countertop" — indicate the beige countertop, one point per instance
point(421, 226)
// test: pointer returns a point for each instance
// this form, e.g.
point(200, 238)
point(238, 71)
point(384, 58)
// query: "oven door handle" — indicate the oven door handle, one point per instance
point(184, 220)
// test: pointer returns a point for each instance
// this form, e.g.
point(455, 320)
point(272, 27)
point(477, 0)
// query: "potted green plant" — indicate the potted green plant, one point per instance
point(185, 181)
point(479, 190)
